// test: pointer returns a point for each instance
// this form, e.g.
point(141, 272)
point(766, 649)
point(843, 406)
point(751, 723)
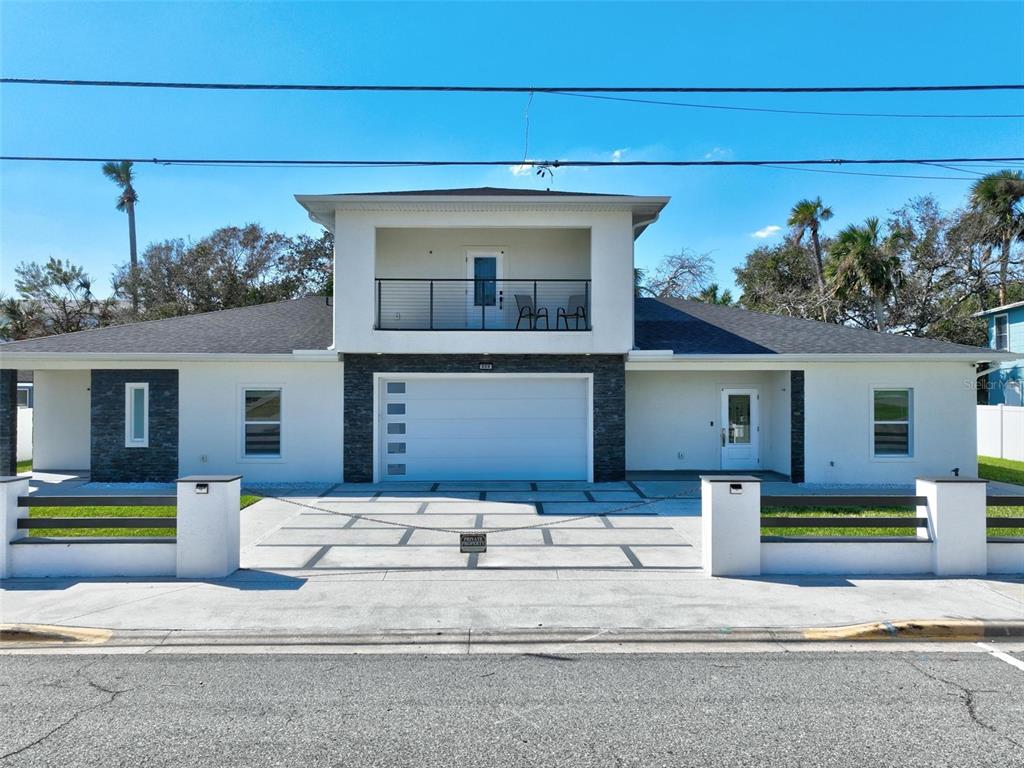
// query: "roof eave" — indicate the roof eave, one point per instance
point(666, 356)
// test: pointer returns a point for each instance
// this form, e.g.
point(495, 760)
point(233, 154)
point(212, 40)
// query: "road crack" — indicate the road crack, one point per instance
point(111, 695)
point(967, 695)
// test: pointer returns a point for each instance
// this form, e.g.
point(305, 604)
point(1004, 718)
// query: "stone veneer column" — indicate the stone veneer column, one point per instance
point(8, 422)
point(796, 426)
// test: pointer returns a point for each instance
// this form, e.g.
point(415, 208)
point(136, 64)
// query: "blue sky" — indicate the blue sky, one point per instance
point(68, 211)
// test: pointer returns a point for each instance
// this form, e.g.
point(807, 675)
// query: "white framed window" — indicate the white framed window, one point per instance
point(261, 423)
point(136, 415)
point(24, 395)
point(892, 428)
point(1001, 332)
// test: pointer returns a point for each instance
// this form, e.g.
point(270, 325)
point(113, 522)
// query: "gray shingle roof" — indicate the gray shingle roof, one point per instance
point(484, 192)
point(276, 328)
point(696, 328)
point(685, 327)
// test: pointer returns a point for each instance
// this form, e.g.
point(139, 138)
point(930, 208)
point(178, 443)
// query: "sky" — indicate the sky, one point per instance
point(67, 211)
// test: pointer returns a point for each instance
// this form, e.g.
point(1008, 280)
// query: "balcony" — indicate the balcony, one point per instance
point(482, 304)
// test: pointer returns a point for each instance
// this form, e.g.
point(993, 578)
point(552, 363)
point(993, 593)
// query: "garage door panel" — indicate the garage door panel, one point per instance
point(496, 429)
point(474, 408)
point(469, 450)
point(479, 428)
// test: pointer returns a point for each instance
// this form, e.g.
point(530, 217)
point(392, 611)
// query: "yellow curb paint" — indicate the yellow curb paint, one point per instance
point(48, 633)
point(949, 630)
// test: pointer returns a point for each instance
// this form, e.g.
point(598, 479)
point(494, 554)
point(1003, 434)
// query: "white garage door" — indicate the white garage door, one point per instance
point(483, 428)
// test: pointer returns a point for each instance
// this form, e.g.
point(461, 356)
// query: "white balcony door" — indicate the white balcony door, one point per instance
point(741, 428)
point(484, 300)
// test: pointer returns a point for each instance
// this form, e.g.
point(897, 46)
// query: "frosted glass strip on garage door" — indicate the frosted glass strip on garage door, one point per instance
point(484, 429)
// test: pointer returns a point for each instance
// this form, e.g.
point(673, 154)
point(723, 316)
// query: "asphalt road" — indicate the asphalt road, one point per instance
point(750, 709)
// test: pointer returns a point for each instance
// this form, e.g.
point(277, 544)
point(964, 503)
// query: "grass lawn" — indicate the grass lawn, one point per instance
point(25, 466)
point(1002, 470)
point(247, 499)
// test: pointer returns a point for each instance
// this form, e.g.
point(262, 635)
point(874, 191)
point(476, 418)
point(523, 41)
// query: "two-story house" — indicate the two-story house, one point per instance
point(493, 334)
point(1006, 334)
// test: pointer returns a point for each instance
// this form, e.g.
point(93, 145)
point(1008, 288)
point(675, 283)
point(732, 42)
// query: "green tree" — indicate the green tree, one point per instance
point(710, 295)
point(121, 174)
point(307, 265)
point(998, 197)
point(780, 279)
point(807, 216)
point(865, 263)
point(56, 297)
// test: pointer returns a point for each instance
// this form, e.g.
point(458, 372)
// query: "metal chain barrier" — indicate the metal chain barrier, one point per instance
point(413, 526)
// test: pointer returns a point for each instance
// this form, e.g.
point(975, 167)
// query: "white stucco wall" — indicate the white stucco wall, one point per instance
point(211, 420)
point(672, 411)
point(611, 270)
point(838, 402)
point(60, 432)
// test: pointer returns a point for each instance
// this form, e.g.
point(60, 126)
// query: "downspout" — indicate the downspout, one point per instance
point(642, 224)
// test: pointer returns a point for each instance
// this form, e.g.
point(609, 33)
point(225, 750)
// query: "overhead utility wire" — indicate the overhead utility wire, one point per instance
point(734, 108)
point(532, 163)
point(508, 88)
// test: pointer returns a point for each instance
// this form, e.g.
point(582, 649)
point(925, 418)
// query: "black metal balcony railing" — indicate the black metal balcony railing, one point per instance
point(424, 304)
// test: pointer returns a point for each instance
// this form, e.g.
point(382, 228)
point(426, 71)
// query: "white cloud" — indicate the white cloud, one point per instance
point(768, 231)
point(520, 170)
point(718, 153)
point(618, 153)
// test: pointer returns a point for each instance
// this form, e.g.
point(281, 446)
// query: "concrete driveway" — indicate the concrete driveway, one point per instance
point(628, 526)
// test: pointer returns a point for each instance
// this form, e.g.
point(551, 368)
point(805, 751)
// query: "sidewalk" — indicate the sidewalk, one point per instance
point(381, 601)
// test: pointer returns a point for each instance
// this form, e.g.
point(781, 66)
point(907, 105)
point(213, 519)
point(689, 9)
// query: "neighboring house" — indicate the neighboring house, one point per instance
point(24, 419)
point(1006, 334)
point(492, 334)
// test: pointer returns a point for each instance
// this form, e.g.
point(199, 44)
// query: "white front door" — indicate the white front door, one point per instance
point(740, 429)
point(484, 299)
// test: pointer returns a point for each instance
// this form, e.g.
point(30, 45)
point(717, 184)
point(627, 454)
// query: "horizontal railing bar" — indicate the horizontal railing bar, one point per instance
point(97, 522)
point(1004, 522)
point(844, 540)
point(500, 280)
point(844, 522)
point(844, 501)
point(97, 501)
point(1004, 501)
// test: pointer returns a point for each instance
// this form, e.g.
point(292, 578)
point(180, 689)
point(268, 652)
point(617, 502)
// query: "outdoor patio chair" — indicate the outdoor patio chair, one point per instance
point(577, 310)
point(530, 313)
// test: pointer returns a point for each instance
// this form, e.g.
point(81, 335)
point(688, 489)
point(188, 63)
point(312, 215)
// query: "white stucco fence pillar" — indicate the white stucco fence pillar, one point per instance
point(731, 525)
point(956, 522)
point(208, 526)
point(10, 489)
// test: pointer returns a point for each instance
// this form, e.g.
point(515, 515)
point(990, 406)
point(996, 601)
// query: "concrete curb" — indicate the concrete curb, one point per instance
point(567, 640)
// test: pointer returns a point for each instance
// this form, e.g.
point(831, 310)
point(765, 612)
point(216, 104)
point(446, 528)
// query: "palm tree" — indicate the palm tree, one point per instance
point(998, 197)
point(710, 295)
point(808, 215)
point(863, 262)
point(121, 174)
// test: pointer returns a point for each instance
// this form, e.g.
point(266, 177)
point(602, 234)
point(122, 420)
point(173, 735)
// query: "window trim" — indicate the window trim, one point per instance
point(129, 414)
point(909, 455)
point(267, 457)
point(995, 332)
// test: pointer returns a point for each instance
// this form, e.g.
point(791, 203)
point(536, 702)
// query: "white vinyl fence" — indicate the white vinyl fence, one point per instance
point(1001, 431)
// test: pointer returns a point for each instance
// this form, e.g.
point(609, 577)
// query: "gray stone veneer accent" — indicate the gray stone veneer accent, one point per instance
point(8, 422)
point(796, 426)
point(609, 399)
point(111, 461)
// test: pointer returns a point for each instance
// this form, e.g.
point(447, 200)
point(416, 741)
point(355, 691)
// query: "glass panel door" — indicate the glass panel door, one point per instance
point(739, 419)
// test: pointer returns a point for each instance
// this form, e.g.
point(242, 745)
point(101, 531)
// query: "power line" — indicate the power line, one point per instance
point(313, 163)
point(734, 108)
point(507, 88)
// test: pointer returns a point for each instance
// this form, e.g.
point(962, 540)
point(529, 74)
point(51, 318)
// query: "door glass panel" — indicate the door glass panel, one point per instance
point(138, 413)
point(739, 419)
point(485, 286)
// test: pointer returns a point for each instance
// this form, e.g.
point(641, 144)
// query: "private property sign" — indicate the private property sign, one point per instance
point(472, 542)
